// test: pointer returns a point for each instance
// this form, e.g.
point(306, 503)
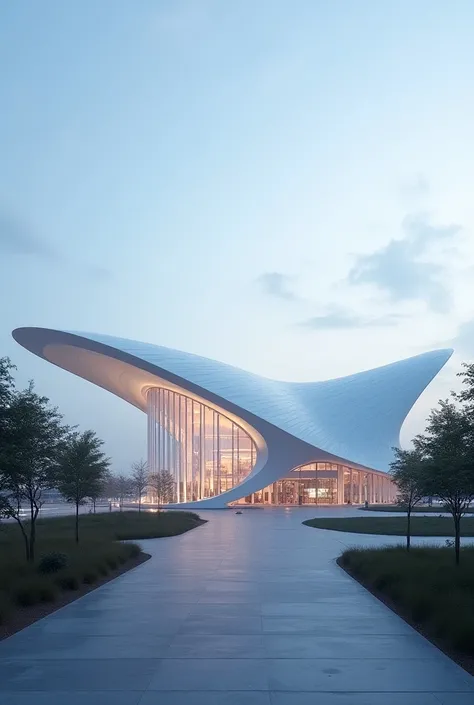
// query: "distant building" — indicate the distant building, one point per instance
point(52, 497)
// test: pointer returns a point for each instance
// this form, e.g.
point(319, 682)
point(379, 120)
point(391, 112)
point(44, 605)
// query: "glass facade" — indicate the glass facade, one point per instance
point(206, 452)
point(326, 483)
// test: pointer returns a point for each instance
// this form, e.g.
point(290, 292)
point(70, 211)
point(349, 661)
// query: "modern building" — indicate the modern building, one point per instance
point(229, 436)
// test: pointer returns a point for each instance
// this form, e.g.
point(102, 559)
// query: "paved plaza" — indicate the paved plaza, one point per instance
point(248, 609)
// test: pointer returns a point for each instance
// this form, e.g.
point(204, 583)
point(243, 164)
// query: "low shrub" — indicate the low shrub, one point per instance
point(111, 562)
point(422, 607)
point(67, 581)
point(30, 591)
point(53, 562)
point(426, 586)
point(134, 550)
point(384, 580)
point(5, 608)
point(90, 577)
point(64, 565)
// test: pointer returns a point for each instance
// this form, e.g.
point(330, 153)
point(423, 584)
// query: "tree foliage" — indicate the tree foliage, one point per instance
point(82, 470)
point(408, 472)
point(447, 447)
point(32, 435)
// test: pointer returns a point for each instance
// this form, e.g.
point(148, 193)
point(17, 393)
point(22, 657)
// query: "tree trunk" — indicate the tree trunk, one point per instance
point(457, 538)
point(93, 504)
point(140, 504)
point(408, 528)
point(77, 522)
point(25, 538)
point(31, 551)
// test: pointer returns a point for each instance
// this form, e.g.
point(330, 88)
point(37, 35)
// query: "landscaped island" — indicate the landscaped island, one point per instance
point(427, 588)
point(401, 509)
point(64, 569)
point(394, 526)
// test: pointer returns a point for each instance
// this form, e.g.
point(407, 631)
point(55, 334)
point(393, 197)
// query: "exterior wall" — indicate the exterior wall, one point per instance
point(323, 487)
point(352, 422)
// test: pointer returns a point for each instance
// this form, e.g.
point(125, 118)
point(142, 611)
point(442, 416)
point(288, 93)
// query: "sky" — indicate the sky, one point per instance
point(282, 185)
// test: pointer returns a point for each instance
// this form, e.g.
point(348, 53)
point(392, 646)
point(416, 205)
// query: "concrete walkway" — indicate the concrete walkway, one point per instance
point(246, 610)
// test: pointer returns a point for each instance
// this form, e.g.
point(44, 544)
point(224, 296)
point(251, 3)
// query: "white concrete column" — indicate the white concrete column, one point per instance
point(275, 493)
point(351, 488)
point(393, 493)
point(340, 485)
point(361, 487)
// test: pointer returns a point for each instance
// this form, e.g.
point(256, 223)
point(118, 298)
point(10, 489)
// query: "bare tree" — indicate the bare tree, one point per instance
point(124, 489)
point(162, 485)
point(139, 480)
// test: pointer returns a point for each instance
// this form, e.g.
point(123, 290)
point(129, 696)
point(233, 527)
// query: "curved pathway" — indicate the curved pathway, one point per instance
point(248, 609)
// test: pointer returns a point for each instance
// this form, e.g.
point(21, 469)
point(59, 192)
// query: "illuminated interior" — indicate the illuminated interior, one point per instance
point(223, 433)
point(205, 451)
point(327, 483)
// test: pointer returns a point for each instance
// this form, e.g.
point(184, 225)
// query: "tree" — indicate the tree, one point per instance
point(466, 395)
point(162, 486)
point(139, 480)
point(97, 493)
point(7, 389)
point(448, 448)
point(124, 488)
point(32, 437)
point(82, 470)
point(110, 487)
point(408, 473)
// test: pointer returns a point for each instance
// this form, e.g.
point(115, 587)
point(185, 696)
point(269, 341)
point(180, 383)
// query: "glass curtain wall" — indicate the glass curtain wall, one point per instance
point(318, 483)
point(206, 452)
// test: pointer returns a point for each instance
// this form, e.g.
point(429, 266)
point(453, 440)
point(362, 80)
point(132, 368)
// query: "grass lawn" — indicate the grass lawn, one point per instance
point(426, 588)
point(396, 508)
point(99, 554)
point(395, 526)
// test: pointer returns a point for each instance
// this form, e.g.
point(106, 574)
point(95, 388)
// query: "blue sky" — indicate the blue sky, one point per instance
point(284, 186)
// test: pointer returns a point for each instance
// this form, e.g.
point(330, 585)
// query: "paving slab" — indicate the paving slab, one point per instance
point(248, 609)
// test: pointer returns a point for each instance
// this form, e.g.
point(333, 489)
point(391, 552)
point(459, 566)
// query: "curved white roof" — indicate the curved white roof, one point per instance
point(356, 417)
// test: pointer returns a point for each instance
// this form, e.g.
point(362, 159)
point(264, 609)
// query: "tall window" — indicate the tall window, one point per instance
point(205, 451)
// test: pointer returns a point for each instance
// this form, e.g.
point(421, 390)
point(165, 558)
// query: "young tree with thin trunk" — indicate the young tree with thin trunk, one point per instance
point(101, 491)
point(124, 488)
point(32, 438)
point(162, 485)
point(408, 473)
point(82, 470)
point(139, 480)
point(448, 448)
